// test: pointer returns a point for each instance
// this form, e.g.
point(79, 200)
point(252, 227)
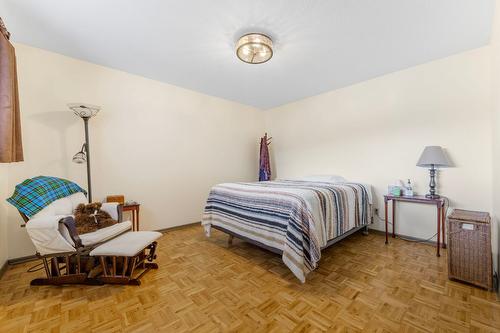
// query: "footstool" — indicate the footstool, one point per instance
point(126, 254)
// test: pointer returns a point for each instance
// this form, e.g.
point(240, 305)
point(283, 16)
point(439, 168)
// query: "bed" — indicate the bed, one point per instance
point(295, 218)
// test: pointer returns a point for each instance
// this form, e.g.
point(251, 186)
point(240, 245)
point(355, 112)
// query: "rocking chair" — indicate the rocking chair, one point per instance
point(109, 255)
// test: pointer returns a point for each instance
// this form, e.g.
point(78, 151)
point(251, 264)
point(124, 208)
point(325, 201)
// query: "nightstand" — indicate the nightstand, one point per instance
point(134, 209)
point(438, 202)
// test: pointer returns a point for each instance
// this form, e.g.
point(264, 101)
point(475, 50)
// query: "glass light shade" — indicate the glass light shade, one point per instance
point(254, 48)
point(84, 110)
point(80, 158)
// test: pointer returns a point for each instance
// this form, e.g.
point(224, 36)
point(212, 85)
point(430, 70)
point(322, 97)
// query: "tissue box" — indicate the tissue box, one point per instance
point(394, 190)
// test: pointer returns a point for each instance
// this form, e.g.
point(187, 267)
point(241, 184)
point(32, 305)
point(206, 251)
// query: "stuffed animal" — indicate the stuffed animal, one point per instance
point(90, 218)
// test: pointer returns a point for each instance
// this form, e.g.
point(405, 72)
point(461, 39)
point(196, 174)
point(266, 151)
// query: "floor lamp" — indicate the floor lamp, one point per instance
point(85, 111)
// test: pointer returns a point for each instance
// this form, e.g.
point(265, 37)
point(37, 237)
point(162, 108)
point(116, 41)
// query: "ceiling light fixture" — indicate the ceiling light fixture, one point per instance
point(254, 48)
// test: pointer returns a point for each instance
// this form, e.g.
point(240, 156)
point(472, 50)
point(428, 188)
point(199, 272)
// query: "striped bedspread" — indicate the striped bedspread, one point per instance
point(296, 217)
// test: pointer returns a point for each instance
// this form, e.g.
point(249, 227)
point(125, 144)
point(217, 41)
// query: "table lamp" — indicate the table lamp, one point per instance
point(433, 157)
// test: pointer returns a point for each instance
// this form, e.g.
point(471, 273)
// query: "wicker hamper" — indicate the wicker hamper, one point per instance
point(469, 248)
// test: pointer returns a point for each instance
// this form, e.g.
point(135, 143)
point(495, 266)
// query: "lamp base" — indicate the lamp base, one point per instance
point(432, 196)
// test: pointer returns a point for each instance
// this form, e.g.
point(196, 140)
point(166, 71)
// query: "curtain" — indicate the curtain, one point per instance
point(11, 148)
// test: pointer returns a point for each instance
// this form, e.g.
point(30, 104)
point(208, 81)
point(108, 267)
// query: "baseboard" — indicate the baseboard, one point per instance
point(411, 238)
point(21, 260)
point(178, 227)
point(4, 269)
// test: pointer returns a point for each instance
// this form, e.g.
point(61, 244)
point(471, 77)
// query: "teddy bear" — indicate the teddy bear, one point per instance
point(90, 218)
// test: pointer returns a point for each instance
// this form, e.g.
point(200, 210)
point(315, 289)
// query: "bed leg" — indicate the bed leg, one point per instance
point(230, 241)
point(365, 231)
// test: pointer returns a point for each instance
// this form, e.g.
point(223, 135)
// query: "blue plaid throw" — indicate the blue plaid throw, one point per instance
point(34, 194)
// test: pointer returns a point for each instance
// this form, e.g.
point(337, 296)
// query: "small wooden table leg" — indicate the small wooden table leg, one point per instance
point(386, 217)
point(438, 229)
point(443, 226)
point(134, 221)
point(137, 218)
point(393, 218)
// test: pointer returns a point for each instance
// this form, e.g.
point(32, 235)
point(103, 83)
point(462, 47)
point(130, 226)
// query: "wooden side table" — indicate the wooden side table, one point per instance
point(439, 202)
point(134, 209)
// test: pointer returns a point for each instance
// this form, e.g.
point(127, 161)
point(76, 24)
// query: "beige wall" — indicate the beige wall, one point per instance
point(165, 146)
point(155, 143)
point(375, 131)
point(495, 56)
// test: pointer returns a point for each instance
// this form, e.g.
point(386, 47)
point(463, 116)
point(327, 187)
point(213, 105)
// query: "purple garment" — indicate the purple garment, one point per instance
point(264, 164)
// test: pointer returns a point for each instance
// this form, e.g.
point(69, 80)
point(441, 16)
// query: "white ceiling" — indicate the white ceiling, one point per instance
point(319, 45)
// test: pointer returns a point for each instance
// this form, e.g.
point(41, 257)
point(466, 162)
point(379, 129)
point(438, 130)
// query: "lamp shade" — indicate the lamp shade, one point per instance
point(84, 110)
point(79, 158)
point(433, 156)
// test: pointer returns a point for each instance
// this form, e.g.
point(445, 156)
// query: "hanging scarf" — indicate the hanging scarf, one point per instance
point(264, 164)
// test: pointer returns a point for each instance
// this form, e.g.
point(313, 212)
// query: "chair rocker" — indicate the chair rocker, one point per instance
point(112, 255)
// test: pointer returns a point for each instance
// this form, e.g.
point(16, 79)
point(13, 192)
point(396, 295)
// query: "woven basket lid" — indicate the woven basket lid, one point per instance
point(470, 215)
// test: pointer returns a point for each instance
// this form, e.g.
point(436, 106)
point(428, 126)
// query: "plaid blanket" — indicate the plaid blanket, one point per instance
point(34, 194)
point(296, 217)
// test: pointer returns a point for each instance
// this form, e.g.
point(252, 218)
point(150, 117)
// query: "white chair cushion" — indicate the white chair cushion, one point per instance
point(128, 244)
point(111, 208)
point(104, 234)
point(46, 236)
point(63, 206)
point(49, 236)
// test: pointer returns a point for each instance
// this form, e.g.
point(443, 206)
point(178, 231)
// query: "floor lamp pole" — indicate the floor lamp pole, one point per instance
point(87, 151)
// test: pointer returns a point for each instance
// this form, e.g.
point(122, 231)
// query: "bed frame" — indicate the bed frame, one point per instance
point(280, 252)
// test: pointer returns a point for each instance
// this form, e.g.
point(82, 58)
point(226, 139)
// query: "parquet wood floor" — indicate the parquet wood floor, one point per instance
point(362, 285)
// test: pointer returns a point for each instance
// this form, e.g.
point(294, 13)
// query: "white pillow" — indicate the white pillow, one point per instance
point(324, 178)
point(63, 206)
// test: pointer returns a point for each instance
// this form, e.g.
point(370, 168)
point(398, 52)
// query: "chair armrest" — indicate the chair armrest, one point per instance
point(69, 223)
point(114, 209)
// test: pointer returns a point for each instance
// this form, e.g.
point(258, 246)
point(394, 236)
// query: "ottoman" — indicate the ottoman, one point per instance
point(126, 258)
